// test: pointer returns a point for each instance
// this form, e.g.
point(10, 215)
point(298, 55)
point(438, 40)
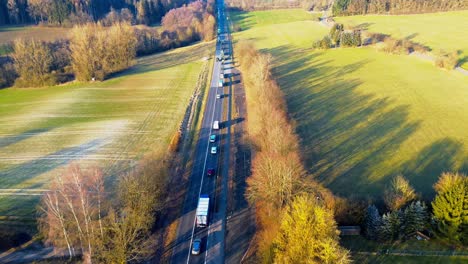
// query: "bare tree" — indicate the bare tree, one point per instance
point(72, 211)
point(399, 193)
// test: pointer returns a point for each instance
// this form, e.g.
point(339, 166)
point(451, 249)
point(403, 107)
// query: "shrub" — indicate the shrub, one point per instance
point(7, 75)
point(446, 60)
point(394, 46)
point(350, 39)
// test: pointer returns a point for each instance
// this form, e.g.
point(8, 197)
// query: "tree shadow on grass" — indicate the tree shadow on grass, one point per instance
point(9, 140)
point(345, 134)
point(17, 175)
point(425, 168)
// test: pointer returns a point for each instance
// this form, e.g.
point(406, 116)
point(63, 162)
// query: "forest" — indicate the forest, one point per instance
point(70, 12)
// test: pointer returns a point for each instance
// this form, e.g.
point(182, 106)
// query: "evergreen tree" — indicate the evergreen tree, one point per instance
point(415, 218)
point(450, 208)
point(372, 223)
point(391, 225)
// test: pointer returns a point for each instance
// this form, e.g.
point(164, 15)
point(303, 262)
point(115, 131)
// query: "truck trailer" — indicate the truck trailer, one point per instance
point(202, 210)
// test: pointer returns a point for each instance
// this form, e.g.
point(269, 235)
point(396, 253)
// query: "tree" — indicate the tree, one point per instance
point(391, 226)
point(415, 218)
point(275, 179)
point(450, 207)
point(33, 61)
point(372, 223)
point(97, 51)
point(208, 27)
point(308, 234)
point(335, 33)
point(398, 193)
point(72, 211)
point(39, 9)
point(127, 231)
point(142, 12)
point(13, 11)
point(59, 11)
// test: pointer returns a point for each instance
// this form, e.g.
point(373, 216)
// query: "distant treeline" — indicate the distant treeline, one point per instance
point(316, 5)
point(70, 12)
point(355, 7)
point(360, 7)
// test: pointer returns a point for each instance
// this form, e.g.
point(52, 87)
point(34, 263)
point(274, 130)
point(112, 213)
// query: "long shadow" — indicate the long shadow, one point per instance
point(9, 140)
point(425, 168)
point(23, 172)
point(346, 135)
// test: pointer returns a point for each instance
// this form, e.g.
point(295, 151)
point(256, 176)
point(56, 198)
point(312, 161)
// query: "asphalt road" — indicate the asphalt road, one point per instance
point(213, 236)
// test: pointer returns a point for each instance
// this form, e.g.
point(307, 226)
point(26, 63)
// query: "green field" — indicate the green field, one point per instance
point(433, 248)
point(247, 20)
point(364, 116)
point(438, 31)
point(110, 124)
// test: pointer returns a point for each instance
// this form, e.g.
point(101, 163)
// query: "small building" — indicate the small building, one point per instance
point(349, 230)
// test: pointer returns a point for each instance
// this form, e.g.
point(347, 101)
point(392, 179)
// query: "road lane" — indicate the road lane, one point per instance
point(199, 183)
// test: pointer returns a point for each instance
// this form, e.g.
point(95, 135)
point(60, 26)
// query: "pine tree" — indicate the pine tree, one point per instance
point(391, 225)
point(415, 218)
point(450, 207)
point(372, 223)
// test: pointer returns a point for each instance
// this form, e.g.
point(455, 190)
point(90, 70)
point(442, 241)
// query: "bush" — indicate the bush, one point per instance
point(394, 46)
point(7, 75)
point(350, 39)
point(446, 60)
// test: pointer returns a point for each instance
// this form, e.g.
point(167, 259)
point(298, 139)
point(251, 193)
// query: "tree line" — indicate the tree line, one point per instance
point(69, 12)
point(361, 7)
point(355, 7)
point(316, 5)
point(96, 51)
point(295, 222)
point(407, 215)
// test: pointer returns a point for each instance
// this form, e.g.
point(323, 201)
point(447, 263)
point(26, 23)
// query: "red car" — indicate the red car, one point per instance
point(210, 172)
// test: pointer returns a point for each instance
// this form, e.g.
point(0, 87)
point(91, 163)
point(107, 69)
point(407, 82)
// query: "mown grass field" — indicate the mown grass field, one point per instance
point(438, 31)
point(109, 124)
point(364, 116)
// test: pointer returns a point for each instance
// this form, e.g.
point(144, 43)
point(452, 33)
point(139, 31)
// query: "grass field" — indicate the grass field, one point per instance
point(10, 33)
point(364, 116)
point(360, 244)
point(439, 31)
point(111, 124)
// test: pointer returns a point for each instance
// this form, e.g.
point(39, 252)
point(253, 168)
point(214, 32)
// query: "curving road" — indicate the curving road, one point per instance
point(213, 236)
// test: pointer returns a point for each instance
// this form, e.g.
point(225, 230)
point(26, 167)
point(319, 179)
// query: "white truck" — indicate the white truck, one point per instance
point(216, 125)
point(202, 210)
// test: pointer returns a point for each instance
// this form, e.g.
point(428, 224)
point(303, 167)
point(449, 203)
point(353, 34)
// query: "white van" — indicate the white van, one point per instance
point(216, 125)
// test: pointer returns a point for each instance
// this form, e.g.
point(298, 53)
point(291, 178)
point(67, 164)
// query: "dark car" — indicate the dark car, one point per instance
point(210, 172)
